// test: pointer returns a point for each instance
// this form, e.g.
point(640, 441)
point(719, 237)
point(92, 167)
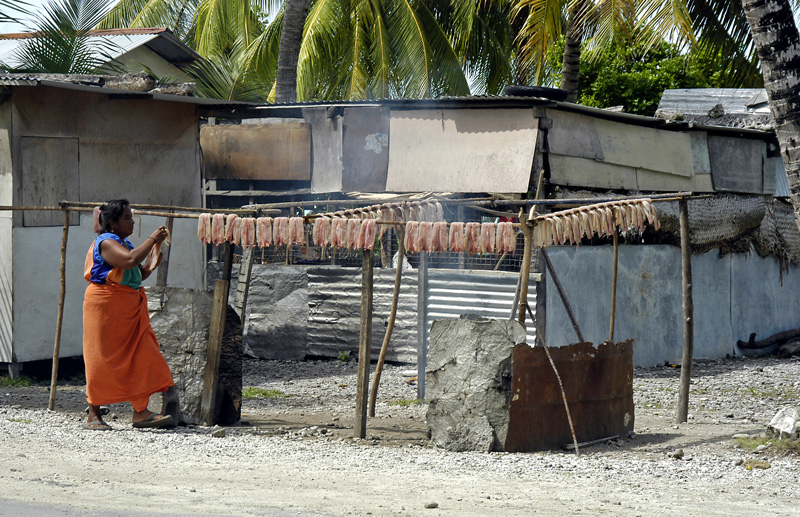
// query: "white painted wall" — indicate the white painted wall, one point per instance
point(6, 198)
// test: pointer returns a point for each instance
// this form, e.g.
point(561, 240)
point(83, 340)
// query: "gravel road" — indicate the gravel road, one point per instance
point(295, 455)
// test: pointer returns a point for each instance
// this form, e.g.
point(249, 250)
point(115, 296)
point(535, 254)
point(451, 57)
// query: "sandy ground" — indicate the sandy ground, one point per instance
point(292, 457)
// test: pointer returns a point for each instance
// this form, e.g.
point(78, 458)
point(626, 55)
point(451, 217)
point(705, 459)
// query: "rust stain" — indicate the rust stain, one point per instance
point(598, 382)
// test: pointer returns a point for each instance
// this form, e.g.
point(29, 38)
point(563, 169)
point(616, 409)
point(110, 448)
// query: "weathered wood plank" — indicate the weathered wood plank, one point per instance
point(50, 173)
point(257, 151)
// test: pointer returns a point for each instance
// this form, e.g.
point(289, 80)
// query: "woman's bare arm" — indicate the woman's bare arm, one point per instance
point(116, 255)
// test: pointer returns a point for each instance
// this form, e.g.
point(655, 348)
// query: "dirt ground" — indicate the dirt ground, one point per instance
point(279, 461)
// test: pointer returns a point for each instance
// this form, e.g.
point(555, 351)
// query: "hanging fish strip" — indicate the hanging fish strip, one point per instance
point(602, 219)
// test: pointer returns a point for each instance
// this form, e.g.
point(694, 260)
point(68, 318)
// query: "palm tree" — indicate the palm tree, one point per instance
point(347, 49)
point(595, 24)
point(61, 43)
point(776, 38)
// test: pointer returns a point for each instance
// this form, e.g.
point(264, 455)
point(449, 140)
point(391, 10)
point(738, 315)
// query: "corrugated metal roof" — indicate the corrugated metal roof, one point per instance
point(110, 44)
point(33, 80)
point(294, 110)
point(699, 101)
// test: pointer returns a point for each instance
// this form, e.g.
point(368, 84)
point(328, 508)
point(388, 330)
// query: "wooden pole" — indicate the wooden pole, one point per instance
point(614, 287)
point(376, 379)
point(688, 314)
point(60, 319)
point(525, 271)
point(563, 296)
point(422, 323)
point(163, 267)
point(364, 345)
point(219, 312)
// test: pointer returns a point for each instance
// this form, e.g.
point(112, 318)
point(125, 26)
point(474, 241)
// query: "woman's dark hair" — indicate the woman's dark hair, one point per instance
point(112, 211)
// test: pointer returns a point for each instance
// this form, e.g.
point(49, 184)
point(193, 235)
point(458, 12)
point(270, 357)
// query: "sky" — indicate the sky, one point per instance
point(35, 5)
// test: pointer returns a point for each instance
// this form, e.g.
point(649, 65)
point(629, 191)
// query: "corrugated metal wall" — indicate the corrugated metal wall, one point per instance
point(334, 312)
point(489, 294)
point(333, 298)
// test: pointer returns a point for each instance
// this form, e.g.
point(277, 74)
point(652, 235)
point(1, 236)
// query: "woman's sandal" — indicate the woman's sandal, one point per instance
point(154, 421)
point(97, 425)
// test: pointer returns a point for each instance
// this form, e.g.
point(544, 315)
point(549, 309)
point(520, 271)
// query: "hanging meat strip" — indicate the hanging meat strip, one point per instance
point(280, 231)
point(218, 229)
point(410, 237)
point(472, 234)
point(236, 237)
point(424, 235)
point(508, 244)
point(296, 230)
point(264, 231)
point(338, 232)
point(368, 230)
point(440, 231)
point(456, 238)
point(248, 232)
point(230, 221)
point(487, 238)
point(204, 228)
point(353, 227)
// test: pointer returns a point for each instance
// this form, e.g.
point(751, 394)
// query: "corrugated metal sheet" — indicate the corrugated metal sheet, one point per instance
point(488, 294)
point(700, 100)
point(334, 312)
point(781, 180)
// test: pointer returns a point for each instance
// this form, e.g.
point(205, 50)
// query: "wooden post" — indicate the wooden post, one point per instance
point(614, 287)
point(422, 325)
point(60, 318)
point(390, 325)
point(563, 296)
point(525, 271)
point(163, 267)
point(688, 314)
point(364, 345)
point(219, 312)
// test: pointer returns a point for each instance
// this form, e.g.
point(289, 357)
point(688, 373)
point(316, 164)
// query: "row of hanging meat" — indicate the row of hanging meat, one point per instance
point(568, 226)
point(603, 219)
point(356, 233)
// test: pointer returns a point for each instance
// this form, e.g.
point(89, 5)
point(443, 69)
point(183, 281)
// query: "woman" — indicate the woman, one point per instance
point(123, 362)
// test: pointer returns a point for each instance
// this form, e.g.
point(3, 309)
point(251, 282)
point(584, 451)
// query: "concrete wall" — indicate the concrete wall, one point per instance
point(142, 59)
point(146, 151)
point(733, 296)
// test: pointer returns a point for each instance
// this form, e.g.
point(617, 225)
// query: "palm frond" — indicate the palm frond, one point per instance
point(542, 24)
point(61, 43)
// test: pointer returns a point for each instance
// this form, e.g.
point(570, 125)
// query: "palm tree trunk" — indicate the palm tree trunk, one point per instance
point(294, 19)
point(778, 43)
point(571, 66)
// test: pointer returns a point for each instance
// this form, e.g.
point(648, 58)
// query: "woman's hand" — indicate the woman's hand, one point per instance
point(159, 234)
point(117, 255)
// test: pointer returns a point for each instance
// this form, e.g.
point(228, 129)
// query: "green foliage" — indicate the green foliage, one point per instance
point(62, 46)
point(254, 392)
point(774, 444)
point(19, 382)
point(632, 76)
point(406, 402)
point(343, 356)
point(21, 420)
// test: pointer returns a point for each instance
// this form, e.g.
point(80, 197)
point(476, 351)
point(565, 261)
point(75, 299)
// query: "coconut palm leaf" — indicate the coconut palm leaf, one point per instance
point(61, 43)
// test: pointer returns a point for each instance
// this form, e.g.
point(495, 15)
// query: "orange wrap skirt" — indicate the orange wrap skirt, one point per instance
point(120, 349)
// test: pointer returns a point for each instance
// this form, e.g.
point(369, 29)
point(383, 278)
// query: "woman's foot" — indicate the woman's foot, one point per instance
point(96, 425)
point(148, 419)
